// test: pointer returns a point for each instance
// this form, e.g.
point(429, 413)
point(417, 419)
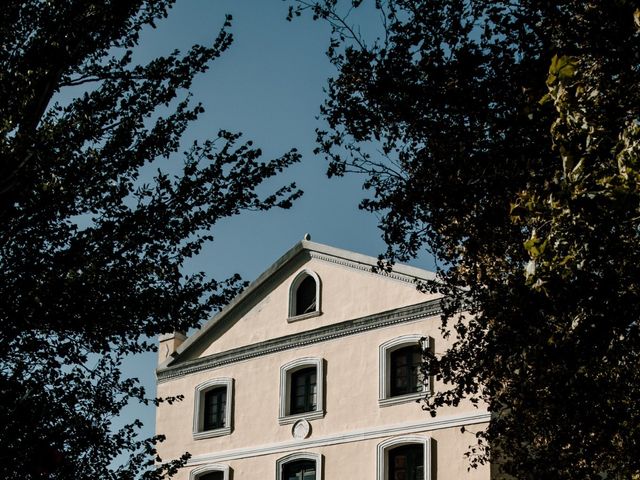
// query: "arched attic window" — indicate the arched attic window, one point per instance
point(304, 296)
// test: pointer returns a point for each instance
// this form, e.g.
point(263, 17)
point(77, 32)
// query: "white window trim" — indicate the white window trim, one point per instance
point(292, 296)
point(316, 457)
point(198, 408)
point(285, 388)
point(382, 458)
point(210, 468)
point(384, 373)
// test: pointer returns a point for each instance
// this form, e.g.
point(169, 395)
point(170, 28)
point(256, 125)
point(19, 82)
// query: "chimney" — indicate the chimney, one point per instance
point(168, 344)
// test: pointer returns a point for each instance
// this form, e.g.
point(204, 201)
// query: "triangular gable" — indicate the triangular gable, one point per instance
point(373, 292)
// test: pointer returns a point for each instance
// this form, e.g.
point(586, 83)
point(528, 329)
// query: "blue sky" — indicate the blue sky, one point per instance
point(268, 85)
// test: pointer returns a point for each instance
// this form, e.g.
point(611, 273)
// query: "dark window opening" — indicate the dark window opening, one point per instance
point(215, 404)
point(211, 476)
point(300, 470)
point(405, 370)
point(306, 296)
point(304, 391)
point(407, 462)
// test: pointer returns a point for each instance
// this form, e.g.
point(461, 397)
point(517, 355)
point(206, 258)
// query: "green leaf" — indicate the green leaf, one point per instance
point(562, 68)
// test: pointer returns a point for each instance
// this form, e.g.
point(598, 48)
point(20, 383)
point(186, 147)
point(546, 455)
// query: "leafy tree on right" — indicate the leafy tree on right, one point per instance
point(503, 137)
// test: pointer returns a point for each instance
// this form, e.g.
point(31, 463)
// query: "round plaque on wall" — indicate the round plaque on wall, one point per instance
point(301, 429)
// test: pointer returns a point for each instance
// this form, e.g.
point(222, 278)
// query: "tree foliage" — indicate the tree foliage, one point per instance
point(503, 137)
point(91, 250)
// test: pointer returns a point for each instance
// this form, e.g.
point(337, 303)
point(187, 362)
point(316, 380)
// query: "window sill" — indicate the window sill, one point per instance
point(218, 432)
point(304, 316)
point(410, 397)
point(299, 416)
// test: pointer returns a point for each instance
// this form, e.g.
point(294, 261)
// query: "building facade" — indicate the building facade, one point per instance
point(312, 373)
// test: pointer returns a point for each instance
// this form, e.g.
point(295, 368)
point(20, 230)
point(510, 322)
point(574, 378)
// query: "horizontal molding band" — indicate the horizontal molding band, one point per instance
point(449, 421)
point(350, 327)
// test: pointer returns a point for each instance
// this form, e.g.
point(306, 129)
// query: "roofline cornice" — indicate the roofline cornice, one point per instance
point(358, 261)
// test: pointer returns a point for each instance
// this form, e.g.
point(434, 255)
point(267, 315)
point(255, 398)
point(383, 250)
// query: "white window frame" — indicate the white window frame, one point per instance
point(382, 457)
point(384, 370)
point(293, 289)
point(285, 390)
point(316, 457)
point(210, 468)
point(198, 409)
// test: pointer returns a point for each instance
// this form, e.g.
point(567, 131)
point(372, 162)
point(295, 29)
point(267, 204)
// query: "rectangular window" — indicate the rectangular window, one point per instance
point(213, 408)
point(301, 390)
point(405, 370)
point(211, 476)
point(215, 404)
point(407, 463)
point(304, 391)
point(301, 470)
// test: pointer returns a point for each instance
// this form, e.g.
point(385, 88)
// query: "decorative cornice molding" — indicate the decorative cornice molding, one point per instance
point(449, 421)
point(350, 327)
point(365, 267)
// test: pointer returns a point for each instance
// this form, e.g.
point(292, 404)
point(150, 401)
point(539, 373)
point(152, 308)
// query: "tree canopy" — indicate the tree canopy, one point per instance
point(91, 250)
point(503, 137)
